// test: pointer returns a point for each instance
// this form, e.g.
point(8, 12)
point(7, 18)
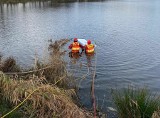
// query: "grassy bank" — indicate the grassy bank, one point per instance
point(39, 100)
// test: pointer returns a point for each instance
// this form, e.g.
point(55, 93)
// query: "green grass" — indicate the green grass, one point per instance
point(135, 103)
point(5, 106)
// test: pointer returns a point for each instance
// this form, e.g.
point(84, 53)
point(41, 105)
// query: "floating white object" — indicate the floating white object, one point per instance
point(111, 109)
point(83, 42)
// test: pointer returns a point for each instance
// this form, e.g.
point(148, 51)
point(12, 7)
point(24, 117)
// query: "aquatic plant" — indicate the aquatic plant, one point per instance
point(135, 103)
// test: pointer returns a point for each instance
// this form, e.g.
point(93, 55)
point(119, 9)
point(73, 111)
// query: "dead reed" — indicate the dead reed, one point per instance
point(46, 102)
point(58, 65)
point(156, 114)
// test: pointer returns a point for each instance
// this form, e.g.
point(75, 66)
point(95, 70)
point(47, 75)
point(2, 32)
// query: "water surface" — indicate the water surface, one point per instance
point(126, 32)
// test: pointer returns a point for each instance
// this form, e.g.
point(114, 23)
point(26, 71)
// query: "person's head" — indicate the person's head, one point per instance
point(89, 41)
point(75, 39)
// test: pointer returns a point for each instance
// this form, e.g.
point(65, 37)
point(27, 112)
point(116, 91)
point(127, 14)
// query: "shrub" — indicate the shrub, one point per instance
point(8, 65)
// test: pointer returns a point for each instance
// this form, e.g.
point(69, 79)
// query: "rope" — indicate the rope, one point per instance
point(27, 99)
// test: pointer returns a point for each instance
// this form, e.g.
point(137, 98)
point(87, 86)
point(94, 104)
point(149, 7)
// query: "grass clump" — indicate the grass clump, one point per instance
point(45, 101)
point(8, 65)
point(135, 103)
point(57, 65)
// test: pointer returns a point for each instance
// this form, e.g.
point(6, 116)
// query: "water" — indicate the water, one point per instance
point(127, 34)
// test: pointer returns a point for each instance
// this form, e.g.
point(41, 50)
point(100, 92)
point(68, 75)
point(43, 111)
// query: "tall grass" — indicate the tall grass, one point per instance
point(58, 65)
point(46, 102)
point(135, 103)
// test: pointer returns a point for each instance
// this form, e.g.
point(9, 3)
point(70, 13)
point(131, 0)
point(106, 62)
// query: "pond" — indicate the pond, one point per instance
point(126, 32)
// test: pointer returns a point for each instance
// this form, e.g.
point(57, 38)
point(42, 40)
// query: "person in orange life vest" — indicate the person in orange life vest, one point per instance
point(89, 48)
point(75, 46)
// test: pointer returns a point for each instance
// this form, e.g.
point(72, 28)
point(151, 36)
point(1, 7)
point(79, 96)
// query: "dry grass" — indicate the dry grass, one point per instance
point(48, 101)
point(156, 114)
point(58, 65)
point(53, 70)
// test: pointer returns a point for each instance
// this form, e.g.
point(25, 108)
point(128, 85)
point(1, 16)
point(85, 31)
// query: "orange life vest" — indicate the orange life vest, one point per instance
point(75, 47)
point(89, 48)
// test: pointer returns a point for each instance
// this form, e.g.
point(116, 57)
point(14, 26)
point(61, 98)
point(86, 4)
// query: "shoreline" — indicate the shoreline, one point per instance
point(25, 1)
point(52, 1)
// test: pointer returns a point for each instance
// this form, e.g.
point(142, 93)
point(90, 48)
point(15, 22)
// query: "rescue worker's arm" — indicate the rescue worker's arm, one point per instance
point(85, 47)
point(70, 47)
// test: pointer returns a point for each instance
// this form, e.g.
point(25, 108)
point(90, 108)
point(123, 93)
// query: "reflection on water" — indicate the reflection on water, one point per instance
point(126, 33)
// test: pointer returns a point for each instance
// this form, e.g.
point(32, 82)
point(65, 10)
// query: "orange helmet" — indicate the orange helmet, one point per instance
point(75, 39)
point(89, 41)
